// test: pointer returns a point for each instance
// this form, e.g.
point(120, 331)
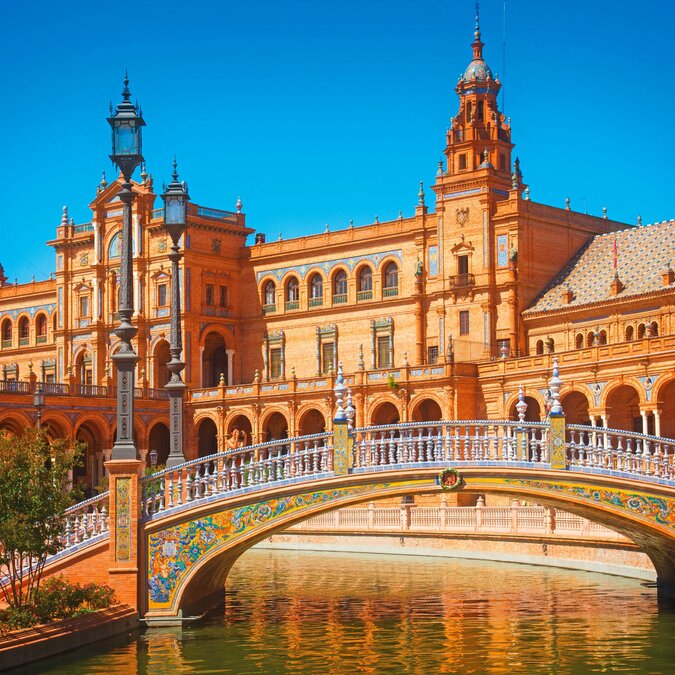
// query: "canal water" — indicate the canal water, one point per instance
point(309, 613)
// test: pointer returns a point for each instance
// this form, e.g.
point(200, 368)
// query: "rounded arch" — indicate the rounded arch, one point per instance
point(214, 359)
point(239, 430)
point(207, 437)
point(315, 283)
point(590, 338)
point(82, 360)
point(268, 291)
point(23, 324)
point(390, 273)
point(41, 327)
point(665, 401)
point(629, 334)
point(292, 288)
point(56, 425)
point(208, 574)
point(575, 403)
point(539, 347)
point(338, 281)
point(15, 422)
point(161, 356)
point(90, 433)
point(274, 425)
point(654, 329)
point(533, 413)
point(311, 421)
point(6, 330)
point(159, 439)
point(622, 407)
point(385, 412)
point(364, 278)
point(427, 409)
point(641, 331)
point(602, 337)
point(579, 341)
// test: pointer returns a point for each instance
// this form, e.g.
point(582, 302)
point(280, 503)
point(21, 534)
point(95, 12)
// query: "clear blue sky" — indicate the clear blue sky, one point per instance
point(318, 112)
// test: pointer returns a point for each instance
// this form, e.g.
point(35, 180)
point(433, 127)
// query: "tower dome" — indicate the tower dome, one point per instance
point(477, 69)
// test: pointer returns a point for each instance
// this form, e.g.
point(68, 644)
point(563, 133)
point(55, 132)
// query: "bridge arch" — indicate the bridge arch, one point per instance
point(217, 537)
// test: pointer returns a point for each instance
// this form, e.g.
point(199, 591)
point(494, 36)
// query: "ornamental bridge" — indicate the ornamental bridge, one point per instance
point(166, 542)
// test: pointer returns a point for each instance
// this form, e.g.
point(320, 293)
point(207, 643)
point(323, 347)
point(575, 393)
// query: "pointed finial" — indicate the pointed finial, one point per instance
point(420, 195)
point(439, 172)
point(350, 410)
point(104, 182)
point(239, 206)
point(280, 237)
point(567, 203)
point(351, 223)
point(639, 220)
point(339, 394)
point(604, 212)
point(400, 215)
point(377, 220)
point(72, 221)
point(327, 229)
point(64, 216)
point(527, 194)
point(174, 175)
point(221, 380)
point(256, 376)
point(521, 406)
point(554, 385)
point(476, 32)
point(126, 94)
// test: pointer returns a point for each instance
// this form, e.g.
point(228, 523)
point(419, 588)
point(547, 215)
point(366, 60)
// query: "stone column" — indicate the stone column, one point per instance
point(657, 422)
point(230, 366)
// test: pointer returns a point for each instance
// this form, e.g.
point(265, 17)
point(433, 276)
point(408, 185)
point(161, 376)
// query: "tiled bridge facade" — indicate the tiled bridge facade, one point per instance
point(166, 542)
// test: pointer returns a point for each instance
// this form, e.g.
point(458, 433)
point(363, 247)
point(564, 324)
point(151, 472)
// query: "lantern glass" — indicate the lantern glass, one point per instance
point(174, 211)
point(39, 398)
point(125, 138)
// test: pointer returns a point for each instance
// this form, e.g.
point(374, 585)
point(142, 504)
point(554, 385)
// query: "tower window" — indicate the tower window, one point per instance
point(502, 162)
point(469, 111)
point(462, 162)
point(479, 110)
point(463, 265)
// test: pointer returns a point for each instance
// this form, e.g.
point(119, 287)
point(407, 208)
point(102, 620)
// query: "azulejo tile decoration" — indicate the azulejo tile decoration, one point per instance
point(655, 509)
point(174, 551)
point(123, 519)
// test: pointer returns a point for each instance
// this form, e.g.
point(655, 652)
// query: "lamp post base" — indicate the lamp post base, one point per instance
point(176, 455)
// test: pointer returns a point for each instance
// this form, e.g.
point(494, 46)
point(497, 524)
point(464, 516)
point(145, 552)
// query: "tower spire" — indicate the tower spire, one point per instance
point(477, 44)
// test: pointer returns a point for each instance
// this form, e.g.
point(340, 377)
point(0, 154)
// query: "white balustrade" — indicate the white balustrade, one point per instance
point(86, 520)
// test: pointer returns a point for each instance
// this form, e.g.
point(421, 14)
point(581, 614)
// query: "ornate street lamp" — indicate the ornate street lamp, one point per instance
point(175, 220)
point(153, 457)
point(39, 403)
point(127, 123)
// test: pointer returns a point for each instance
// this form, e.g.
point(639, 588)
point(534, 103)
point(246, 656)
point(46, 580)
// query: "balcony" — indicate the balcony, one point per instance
point(269, 309)
point(340, 299)
point(364, 295)
point(315, 302)
point(390, 292)
point(92, 390)
point(15, 387)
point(24, 342)
point(291, 305)
point(462, 280)
point(41, 339)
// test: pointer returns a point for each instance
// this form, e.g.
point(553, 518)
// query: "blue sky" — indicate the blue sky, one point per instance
point(322, 112)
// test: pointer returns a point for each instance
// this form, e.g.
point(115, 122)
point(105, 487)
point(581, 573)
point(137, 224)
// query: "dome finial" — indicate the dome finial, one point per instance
point(476, 32)
point(477, 44)
point(174, 175)
point(126, 94)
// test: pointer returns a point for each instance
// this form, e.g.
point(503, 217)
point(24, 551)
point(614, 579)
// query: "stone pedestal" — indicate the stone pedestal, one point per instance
point(125, 515)
point(557, 452)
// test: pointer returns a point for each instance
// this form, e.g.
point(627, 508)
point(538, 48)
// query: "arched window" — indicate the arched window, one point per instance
point(115, 246)
point(630, 333)
point(6, 333)
point(270, 296)
point(654, 329)
point(365, 279)
point(579, 341)
point(641, 331)
point(602, 337)
point(292, 290)
point(390, 280)
point(292, 294)
point(340, 287)
point(41, 328)
point(590, 339)
point(540, 347)
point(315, 290)
point(24, 330)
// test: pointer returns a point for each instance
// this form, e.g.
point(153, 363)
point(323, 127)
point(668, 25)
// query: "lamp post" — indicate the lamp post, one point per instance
point(175, 220)
point(39, 403)
point(127, 123)
point(153, 457)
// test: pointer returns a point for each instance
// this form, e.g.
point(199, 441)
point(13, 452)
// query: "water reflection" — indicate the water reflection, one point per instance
point(288, 612)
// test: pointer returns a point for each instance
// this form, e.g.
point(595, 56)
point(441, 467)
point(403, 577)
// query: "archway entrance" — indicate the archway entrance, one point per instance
point(275, 427)
point(90, 473)
point(666, 407)
point(162, 356)
point(207, 437)
point(532, 414)
point(239, 432)
point(159, 440)
point(427, 410)
point(575, 405)
point(83, 369)
point(214, 360)
point(623, 409)
point(385, 413)
point(311, 422)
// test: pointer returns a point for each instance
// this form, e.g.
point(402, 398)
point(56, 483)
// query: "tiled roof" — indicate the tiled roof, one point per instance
point(643, 254)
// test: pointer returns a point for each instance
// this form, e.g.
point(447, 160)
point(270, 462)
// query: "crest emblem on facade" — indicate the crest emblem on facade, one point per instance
point(462, 215)
point(161, 246)
point(84, 259)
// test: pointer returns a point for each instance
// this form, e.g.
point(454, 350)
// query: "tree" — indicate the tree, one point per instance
point(34, 493)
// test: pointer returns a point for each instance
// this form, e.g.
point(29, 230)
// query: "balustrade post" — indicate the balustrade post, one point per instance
point(557, 451)
point(125, 534)
point(405, 516)
point(550, 520)
point(479, 513)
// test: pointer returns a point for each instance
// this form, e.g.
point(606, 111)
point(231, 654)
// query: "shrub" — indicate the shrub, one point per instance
point(15, 618)
point(60, 599)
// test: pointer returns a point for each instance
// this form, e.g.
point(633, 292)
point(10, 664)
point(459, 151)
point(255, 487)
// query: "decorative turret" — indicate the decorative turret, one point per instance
point(479, 136)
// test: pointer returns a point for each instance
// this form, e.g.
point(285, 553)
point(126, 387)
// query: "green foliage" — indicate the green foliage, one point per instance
point(57, 598)
point(34, 494)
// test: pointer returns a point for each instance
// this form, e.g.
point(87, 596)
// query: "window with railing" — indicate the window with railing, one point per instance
point(269, 298)
point(292, 294)
point(41, 329)
point(340, 287)
point(390, 286)
point(24, 331)
point(6, 332)
point(327, 357)
point(432, 355)
point(365, 285)
point(316, 290)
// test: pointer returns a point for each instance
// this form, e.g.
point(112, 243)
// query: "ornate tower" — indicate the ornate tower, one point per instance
point(479, 136)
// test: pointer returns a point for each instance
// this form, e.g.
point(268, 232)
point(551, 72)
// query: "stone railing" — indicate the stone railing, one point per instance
point(86, 520)
point(514, 520)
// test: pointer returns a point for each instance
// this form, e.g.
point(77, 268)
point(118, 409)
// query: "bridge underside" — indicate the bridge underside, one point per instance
point(189, 552)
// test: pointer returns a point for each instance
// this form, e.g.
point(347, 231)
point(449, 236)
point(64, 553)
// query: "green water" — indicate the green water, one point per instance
point(300, 612)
